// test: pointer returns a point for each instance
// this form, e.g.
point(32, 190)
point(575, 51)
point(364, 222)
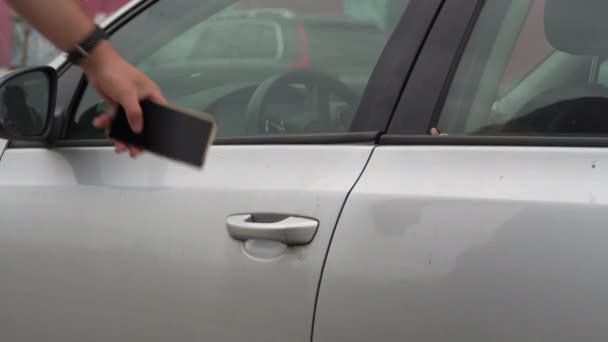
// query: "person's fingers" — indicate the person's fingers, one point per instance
point(120, 147)
point(103, 121)
point(156, 95)
point(130, 103)
point(134, 152)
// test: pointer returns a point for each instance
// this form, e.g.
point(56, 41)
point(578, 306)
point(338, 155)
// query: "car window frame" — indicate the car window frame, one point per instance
point(423, 97)
point(433, 74)
point(377, 106)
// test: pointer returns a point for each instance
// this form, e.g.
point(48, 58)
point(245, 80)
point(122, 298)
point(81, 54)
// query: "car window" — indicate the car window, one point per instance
point(531, 67)
point(260, 68)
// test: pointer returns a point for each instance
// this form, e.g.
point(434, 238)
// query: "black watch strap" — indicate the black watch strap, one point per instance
point(84, 48)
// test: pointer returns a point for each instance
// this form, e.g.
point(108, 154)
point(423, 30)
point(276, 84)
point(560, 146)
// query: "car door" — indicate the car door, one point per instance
point(98, 247)
point(496, 230)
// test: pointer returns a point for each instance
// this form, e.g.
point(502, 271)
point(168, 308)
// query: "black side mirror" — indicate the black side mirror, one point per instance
point(27, 103)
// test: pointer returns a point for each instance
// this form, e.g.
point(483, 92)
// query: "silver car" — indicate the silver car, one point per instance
point(454, 187)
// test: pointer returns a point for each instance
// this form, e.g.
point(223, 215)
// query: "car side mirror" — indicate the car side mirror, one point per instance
point(27, 103)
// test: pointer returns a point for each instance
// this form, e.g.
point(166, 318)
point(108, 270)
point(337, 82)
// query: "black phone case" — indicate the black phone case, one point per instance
point(173, 133)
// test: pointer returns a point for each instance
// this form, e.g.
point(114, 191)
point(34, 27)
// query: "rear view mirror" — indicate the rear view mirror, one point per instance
point(27, 103)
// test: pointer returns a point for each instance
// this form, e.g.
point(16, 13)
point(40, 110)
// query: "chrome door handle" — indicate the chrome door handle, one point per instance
point(290, 230)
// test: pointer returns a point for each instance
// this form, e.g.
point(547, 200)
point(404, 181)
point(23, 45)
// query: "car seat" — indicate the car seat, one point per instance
point(576, 28)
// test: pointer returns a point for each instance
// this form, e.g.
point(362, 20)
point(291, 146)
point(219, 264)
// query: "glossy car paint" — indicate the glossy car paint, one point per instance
point(97, 247)
point(471, 244)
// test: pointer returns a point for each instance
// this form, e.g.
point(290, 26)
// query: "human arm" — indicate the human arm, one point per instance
point(64, 24)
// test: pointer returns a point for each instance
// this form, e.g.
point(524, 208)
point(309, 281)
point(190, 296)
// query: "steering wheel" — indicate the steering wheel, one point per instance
point(320, 84)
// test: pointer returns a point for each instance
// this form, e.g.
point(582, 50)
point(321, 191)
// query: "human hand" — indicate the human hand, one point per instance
point(118, 82)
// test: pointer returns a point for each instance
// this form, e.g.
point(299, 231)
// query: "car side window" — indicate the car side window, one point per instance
point(532, 67)
point(293, 68)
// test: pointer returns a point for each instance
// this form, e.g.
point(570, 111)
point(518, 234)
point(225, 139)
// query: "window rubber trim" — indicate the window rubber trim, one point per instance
point(363, 138)
point(523, 141)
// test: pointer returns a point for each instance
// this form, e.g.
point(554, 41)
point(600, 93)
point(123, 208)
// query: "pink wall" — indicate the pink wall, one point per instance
point(5, 34)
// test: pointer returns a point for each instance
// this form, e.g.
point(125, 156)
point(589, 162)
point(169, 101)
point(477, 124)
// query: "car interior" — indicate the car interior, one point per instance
point(563, 95)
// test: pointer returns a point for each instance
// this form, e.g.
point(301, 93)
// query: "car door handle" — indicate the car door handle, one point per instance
point(290, 230)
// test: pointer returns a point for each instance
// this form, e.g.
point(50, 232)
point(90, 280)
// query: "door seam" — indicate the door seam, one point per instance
point(348, 194)
point(6, 145)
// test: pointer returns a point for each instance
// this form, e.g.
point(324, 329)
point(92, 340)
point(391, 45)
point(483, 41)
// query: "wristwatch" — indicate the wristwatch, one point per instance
point(83, 49)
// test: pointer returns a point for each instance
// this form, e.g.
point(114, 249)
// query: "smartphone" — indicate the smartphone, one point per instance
point(175, 133)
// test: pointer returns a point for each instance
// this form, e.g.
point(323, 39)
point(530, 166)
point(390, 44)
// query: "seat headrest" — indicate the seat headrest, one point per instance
point(578, 27)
